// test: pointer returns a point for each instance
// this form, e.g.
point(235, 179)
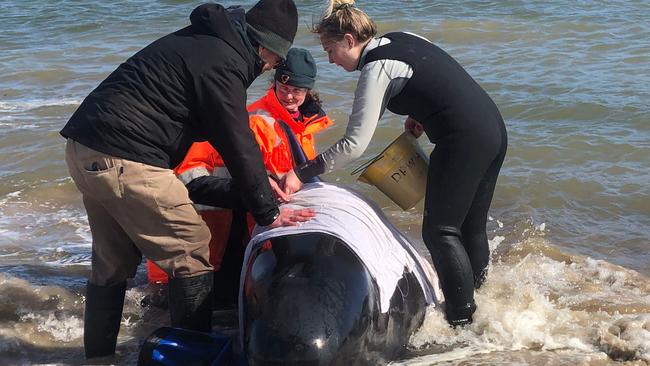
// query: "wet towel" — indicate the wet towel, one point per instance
point(384, 250)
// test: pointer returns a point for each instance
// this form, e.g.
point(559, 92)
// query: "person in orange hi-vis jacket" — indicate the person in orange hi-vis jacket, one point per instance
point(284, 122)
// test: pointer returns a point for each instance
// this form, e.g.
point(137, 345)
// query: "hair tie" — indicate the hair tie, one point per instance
point(343, 6)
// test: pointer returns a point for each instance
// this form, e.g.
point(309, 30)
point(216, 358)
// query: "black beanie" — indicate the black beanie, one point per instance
point(273, 24)
point(298, 70)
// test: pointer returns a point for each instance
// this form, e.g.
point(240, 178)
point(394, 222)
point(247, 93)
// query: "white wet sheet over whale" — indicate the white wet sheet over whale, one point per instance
point(384, 250)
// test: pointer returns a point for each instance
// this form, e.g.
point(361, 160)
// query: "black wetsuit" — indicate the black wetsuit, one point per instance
point(470, 138)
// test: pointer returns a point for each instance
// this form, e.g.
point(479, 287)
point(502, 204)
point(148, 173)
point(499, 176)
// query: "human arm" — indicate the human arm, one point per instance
point(222, 192)
point(214, 191)
point(221, 95)
point(378, 83)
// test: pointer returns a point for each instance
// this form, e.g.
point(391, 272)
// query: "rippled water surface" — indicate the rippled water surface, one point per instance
point(570, 221)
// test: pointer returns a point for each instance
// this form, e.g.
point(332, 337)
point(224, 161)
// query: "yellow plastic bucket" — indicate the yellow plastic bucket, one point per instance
point(400, 171)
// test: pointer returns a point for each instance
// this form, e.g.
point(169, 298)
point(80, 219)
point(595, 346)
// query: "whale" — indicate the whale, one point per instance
point(346, 288)
point(310, 300)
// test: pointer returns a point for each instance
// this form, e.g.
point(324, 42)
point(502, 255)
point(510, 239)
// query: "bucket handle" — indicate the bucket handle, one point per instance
point(366, 164)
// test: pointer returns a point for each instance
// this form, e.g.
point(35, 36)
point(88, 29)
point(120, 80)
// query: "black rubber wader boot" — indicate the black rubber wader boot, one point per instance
point(455, 273)
point(462, 315)
point(102, 318)
point(190, 302)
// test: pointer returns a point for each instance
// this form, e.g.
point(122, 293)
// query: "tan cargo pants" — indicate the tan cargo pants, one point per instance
point(136, 209)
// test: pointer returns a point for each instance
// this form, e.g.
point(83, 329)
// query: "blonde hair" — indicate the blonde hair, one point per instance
point(341, 17)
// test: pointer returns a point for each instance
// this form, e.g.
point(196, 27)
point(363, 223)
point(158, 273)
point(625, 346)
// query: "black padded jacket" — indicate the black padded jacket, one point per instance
point(187, 86)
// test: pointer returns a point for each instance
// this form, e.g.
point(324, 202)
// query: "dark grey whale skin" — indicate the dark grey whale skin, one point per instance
point(309, 300)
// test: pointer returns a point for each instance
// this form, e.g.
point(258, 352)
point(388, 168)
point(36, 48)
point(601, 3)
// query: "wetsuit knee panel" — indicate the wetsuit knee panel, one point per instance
point(442, 240)
point(430, 233)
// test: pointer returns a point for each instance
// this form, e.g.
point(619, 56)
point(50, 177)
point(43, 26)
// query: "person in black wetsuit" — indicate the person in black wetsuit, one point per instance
point(413, 77)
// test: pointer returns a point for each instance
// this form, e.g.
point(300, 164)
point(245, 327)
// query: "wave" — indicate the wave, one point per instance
point(28, 105)
point(539, 299)
point(44, 324)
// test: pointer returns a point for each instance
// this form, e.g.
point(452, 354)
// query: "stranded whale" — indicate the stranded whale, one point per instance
point(344, 288)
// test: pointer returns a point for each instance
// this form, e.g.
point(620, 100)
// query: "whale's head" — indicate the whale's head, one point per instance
point(308, 301)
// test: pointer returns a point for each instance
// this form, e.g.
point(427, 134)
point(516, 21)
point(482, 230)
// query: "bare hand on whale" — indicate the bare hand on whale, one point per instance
point(291, 217)
point(290, 183)
point(288, 216)
point(278, 192)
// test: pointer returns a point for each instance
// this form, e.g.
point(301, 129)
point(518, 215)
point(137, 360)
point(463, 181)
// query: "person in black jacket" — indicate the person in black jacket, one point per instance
point(138, 124)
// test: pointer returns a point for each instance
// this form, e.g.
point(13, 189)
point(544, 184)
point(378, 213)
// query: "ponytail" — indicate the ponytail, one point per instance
point(341, 17)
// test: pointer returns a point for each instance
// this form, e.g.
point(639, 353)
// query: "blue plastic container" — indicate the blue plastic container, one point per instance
point(175, 347)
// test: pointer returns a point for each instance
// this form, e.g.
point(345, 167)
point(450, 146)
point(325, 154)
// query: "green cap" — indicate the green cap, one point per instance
point(299, 69)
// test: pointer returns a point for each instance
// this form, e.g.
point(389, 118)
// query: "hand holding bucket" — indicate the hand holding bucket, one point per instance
point(400, 171)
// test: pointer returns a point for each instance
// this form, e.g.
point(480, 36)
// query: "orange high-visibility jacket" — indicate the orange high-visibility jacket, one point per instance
point(202, 160)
